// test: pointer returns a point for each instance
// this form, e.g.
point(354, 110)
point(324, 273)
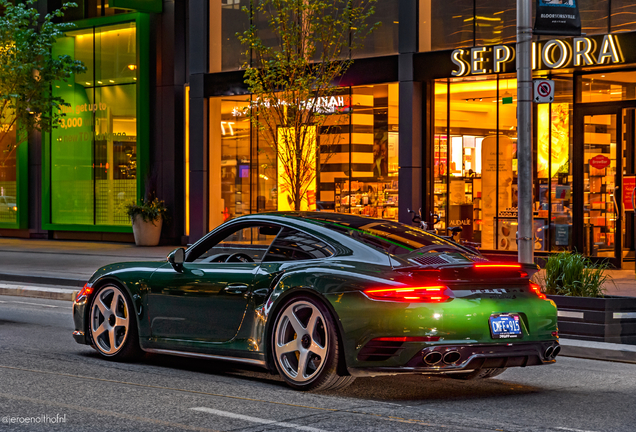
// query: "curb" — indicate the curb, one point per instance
point(41, 280)
point(598, 351)
point(38, 292)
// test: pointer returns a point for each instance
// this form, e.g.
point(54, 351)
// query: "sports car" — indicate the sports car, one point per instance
point(322, 298)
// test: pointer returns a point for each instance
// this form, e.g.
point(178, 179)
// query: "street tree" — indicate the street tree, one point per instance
point(295, 63)
point(28, 70)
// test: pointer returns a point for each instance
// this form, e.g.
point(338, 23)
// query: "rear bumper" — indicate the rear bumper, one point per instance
point(471, 357)
point(79, 314)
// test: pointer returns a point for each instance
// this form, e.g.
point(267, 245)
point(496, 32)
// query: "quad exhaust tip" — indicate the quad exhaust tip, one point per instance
point(452, 357)
point(432, 358)
point(552, 351)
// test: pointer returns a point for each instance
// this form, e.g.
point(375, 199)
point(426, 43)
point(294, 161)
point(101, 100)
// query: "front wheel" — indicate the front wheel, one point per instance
point(305, 346)
point(112, 324)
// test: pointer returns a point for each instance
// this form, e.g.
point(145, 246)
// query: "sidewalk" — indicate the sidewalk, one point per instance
point(66, 263)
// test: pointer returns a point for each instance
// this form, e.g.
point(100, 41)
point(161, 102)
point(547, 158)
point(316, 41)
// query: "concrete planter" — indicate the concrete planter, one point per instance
point(608, 319)
point(146, 233)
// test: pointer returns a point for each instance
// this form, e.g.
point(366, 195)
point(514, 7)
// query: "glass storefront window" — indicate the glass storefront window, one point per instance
point(230, 159)
point(554, 182)
point(475, 163)
point(93, 155)
point(8, 176)
point(607, 87)
point(226, 19)
point(356, 163)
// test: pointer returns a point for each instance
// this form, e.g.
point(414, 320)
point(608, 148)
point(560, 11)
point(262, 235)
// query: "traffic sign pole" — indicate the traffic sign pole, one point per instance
point(525, 235)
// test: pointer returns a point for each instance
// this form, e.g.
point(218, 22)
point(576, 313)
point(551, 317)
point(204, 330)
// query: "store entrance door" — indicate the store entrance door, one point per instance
point(608, 135)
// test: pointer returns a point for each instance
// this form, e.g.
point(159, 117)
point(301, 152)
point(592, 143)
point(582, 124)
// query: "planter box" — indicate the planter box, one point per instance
point(608, 319)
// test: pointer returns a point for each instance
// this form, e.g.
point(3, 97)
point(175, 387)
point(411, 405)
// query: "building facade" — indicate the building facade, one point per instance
point(122, 135)
point(432, 125)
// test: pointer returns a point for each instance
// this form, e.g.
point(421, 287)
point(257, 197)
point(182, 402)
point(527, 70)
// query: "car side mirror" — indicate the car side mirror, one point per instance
point(176, 259)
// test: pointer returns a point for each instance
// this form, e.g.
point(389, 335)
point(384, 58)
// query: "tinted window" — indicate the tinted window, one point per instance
point(295, 245)
point(392, 237)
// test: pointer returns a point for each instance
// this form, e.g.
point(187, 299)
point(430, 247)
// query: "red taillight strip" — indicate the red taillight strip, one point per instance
point(537, 290)
point(406, 290)
point(494, 266)
point(408, 339)
point(426, 294)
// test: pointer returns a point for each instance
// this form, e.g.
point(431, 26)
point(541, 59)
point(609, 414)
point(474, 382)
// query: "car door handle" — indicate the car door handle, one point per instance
point(236, 288)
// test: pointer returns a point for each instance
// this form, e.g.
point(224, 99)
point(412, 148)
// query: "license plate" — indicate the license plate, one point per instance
point(507, 326)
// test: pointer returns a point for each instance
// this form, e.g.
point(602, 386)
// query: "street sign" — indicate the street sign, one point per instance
point(543, 91)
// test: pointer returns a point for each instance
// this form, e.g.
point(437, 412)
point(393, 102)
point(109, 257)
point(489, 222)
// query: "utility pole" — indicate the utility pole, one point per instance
point(525, 234)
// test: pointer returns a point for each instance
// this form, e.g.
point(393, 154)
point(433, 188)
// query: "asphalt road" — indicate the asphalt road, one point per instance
point(46, 376)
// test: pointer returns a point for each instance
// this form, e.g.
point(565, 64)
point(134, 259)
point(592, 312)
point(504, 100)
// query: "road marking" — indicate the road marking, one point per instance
point(35, 304)
point(353, 410)
point(48, 402)
point(573, 430)
point(257, 420)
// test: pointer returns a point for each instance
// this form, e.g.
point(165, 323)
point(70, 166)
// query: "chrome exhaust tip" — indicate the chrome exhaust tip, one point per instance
point(432, 358)
point(452, 357)
point(556, 351)
point(548, 352)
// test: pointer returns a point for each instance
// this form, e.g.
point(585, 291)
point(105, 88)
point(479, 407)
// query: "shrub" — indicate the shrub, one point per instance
point(572, 274)
point(150, 210)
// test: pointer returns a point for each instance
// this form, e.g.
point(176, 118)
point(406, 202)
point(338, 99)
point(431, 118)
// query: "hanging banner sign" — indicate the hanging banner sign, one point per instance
point(629, 192)
point(600, 162)
point(557, 17)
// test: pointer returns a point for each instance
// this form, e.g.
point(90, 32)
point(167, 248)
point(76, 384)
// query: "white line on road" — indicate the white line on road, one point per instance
point(573, 430)
point(35, 304)
point(257, 420)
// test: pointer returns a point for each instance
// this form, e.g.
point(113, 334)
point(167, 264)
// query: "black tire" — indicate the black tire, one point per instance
point(478, 374)
point(315, 366)
point(122, 341)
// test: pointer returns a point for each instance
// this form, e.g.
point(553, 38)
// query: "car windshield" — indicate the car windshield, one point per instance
point(391, 237)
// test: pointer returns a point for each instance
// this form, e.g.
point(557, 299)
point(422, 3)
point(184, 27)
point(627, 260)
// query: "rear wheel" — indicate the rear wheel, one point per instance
point(305, 346)
point(112, 324)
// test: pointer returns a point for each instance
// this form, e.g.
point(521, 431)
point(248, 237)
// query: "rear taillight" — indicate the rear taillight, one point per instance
point(429, 294)
point(536, 288)
point(84, 292)
point(498, 266)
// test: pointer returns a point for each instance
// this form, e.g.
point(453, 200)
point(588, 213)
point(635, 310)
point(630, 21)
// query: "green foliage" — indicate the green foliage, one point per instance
point(295, 71)
point(150, 210)
point(572, 274)
point(28, 70)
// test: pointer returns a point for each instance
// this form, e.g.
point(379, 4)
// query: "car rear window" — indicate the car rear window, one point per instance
point(391, 237)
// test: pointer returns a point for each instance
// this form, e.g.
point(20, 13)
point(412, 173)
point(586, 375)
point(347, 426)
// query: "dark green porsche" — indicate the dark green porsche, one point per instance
point(322, 298)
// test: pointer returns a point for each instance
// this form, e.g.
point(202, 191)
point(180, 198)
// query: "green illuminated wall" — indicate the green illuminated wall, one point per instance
point(92, 158)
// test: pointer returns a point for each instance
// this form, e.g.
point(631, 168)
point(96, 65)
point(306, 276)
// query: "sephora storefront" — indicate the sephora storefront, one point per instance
point(583, 145)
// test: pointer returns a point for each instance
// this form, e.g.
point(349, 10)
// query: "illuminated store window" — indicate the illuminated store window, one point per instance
point(440, 155)
point(230, 159)
point(93, 155)
point(355, 152)
point(8, 175)
point(608, 87)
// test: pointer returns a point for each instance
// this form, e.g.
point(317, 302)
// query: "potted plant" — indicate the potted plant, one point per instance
point(147, 218)
point(576, 285)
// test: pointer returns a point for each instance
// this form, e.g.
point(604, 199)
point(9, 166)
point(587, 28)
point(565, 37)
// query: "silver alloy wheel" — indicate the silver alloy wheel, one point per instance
point(301, 341)
point(109, 320)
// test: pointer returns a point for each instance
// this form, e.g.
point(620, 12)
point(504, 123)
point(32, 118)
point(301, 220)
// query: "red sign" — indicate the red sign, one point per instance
point(600, 162)
point(629, 184)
